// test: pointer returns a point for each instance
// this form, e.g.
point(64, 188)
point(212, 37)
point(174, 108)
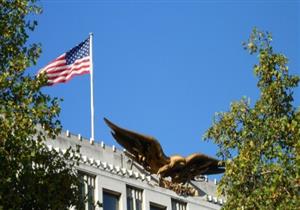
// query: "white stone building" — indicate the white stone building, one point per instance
point(113, 179)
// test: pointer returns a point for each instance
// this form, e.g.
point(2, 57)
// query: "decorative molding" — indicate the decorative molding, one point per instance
point(121, 171)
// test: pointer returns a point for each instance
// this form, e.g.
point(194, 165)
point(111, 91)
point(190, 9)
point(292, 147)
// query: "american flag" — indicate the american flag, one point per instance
point(76, 61)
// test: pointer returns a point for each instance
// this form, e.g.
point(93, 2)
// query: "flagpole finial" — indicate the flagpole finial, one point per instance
point(91, 33)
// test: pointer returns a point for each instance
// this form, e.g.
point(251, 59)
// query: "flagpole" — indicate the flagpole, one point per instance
point(92, 89)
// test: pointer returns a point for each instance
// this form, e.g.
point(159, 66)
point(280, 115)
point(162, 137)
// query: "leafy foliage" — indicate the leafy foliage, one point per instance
point(31, 176)
point(260, 145)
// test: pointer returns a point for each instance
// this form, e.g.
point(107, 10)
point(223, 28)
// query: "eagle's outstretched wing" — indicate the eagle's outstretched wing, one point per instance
point(200, 164)
point(195, 164)
point(145, 149)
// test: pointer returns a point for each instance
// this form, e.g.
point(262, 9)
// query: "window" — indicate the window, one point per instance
point(110, 200)
point(87, 191)
point(178, 205)
point(134, 198)
point(154, 206)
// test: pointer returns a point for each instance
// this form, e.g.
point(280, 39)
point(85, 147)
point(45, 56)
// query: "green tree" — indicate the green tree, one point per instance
point(260, 144)
point(31, 176)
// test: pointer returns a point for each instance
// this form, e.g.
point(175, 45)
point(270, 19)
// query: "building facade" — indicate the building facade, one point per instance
point(110, 178)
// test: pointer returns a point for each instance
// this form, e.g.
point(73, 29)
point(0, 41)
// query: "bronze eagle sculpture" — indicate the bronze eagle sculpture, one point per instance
point(148, 152)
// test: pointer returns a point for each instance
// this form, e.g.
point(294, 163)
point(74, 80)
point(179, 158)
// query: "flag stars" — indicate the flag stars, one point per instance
point(80, 51)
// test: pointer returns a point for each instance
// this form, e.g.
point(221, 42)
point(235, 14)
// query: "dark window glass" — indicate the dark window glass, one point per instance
point(90, 198)
point(178, 205)
point(87, 191)
point(129, 203)
point(82, 193)
point(138, 204)
point(157, 207)
point(110, 201)
point(134, 198)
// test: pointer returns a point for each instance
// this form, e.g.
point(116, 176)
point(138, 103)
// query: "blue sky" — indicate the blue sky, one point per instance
point(162, 68)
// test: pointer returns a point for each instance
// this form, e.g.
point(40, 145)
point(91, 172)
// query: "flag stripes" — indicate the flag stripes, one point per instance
point(74, 62)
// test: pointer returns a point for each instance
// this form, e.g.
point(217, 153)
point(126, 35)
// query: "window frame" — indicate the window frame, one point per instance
point(88, 184)
point(179, 205)
point(157, 205)
point(135, 198)
point(111, 193)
